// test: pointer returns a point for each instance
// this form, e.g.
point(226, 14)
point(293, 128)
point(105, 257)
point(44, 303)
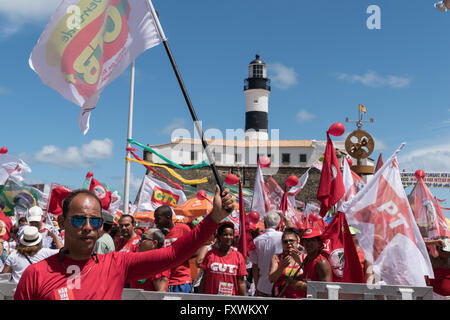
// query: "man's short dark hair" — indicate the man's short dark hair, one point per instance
point(164, 210)
point(107, 227)
point(69, 198)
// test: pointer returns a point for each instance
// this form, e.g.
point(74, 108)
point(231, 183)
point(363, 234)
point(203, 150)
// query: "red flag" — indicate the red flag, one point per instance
point(379, 162)
point(427, 212)
point(101, 192)
point(8, 225)
point(340, 251)
point(57, 195)
point(331, 185)
point(246, 243)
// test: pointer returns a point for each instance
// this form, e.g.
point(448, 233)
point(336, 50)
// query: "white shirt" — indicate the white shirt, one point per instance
point(267, 244)
point(19, 263)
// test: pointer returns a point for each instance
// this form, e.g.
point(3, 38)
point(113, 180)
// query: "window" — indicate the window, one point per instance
point(193, 155)
point(285, 158)
point(237, 157)
point(257, 71)
point(302, 157)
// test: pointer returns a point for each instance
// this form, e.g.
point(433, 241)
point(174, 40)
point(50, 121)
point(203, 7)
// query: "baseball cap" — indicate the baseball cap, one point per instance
point(107, 218)
point(311, 233)
point(35, 214)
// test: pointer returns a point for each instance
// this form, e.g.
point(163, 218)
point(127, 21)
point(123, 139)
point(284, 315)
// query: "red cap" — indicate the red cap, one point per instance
point(311, 233)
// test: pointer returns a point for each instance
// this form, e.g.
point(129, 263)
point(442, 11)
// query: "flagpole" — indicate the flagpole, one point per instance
point(126, 191)
point(186, 96)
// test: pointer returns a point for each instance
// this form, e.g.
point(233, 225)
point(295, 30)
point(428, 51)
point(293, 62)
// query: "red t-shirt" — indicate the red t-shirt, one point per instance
point(147, 284)
point(221, 272)
point(180, 274)
point(131, 245)
point(51, 279)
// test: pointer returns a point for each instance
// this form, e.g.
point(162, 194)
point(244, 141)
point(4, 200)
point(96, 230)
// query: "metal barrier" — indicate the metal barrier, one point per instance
point(139, 294)
point(316, 290)
point(7, 289)
point(361, 291)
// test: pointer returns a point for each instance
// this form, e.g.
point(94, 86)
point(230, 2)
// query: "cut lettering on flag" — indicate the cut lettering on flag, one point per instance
point(155, 193)
point(340, 251)
point(389, 238)
point(78, 56)
point(57, 195)
point(428, 213)
point(331, 187)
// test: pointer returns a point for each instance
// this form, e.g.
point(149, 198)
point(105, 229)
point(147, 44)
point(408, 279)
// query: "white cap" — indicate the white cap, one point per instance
point(35, 214)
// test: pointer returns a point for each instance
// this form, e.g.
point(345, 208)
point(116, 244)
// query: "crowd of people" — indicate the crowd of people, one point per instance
point(84, 254)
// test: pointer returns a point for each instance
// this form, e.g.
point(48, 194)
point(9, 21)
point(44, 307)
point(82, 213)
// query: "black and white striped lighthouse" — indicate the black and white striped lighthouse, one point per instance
point(256, 90)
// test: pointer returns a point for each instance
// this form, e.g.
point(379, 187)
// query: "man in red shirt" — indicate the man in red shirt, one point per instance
point(180, 276)
point(152, 239)
point(78, 273)
point(129, 241)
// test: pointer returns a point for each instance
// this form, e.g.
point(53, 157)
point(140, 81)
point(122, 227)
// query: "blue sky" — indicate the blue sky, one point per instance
point(323, 61)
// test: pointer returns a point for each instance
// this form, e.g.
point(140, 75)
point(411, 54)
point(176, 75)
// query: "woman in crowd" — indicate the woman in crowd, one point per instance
point(223, 266)
point(285, 268)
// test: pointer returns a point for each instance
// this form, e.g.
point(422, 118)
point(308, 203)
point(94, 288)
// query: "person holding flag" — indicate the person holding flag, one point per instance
point(102, 277)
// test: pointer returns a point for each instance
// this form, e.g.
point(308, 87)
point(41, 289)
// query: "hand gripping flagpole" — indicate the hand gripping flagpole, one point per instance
point(188, 100)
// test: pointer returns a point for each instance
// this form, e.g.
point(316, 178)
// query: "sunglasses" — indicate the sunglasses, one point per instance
point(79, 221)
point(143, 238)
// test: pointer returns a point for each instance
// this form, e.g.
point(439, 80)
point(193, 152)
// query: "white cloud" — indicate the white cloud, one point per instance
point(379, 144)
point(16, 13)
point(281, 76)
point(303, 115)
point(433, 158)
point(374, 80)
point(75, 157)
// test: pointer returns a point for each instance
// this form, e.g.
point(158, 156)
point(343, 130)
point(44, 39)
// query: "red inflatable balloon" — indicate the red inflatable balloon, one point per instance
point(313, 217)
point(231, 179)
point(3, 150)
point(264, 162)
point(90, 174)
point(291, 181)
point(253, 217)
point(337, 129)
point(420, 174)
point(201, 194)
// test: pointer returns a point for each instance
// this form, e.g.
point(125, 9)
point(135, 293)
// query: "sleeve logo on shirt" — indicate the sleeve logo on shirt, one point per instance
point(63, 293)
point(223, 268)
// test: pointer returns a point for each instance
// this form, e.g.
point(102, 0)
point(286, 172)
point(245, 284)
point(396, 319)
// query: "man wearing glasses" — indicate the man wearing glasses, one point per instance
point(78, 273)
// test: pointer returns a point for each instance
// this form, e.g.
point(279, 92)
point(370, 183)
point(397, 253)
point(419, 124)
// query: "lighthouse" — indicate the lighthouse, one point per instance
point(256, 90)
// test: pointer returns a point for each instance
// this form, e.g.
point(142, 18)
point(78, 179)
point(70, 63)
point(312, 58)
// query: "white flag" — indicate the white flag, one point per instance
point(298, 187)
point(87, 44)
point(11, 166)
point(155, 193)
point(352, 183)
point(389, 238)
point(260, 201)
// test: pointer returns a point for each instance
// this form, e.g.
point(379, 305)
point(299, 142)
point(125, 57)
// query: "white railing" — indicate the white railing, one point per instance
point(360, 291)
point(316, 290)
